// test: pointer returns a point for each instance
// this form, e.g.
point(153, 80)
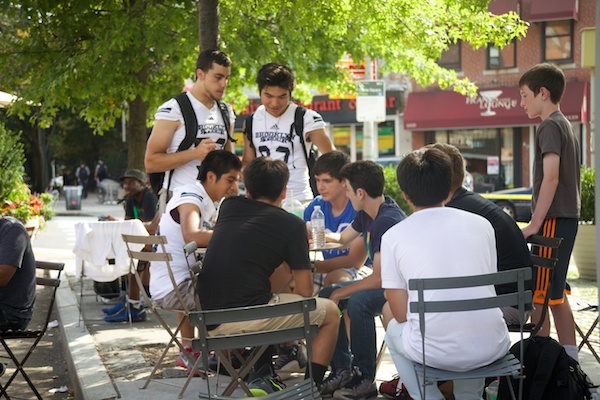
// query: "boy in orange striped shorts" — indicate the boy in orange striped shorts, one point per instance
point(556, 190)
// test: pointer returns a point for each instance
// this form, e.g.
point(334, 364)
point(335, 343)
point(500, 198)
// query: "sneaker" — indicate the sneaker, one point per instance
point(187, 361)
point(359, 388)
point(137, 315)
point(114, 309)
point(291, 359)
point(265, 385)
point(394, 389)
point(337, 379)
point(389, 388)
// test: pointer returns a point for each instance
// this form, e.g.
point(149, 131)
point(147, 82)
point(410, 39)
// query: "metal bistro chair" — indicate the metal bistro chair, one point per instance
point(174, 333)
point(259, 341)
point(42, 309)
point(507, 365)
point(544, 256)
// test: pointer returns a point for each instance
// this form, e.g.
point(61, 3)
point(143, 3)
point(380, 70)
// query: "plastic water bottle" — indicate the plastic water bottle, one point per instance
point(317, 223)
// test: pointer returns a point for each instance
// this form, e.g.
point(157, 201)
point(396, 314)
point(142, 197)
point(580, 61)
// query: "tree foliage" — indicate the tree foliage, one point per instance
point(99, 57)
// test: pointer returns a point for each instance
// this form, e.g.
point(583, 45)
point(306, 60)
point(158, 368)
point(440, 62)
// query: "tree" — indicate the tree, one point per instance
point(101, 57)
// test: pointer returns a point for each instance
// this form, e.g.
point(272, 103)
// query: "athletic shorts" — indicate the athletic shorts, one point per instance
point(565, 228)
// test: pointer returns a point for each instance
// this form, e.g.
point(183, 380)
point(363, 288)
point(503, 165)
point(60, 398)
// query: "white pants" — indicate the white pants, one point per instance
point(464, 389)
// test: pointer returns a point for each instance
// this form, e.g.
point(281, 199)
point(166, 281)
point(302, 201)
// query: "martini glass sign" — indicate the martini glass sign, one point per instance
point(489, 96)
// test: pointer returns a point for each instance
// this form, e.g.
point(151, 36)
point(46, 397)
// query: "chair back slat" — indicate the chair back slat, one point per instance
point(459, 282)
point(149, 256)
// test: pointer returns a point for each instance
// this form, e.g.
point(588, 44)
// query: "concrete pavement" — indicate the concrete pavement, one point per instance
point(109, 361)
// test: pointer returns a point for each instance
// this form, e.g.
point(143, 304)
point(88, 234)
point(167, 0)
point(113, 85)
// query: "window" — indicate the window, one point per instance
point(502, 58)
point(451, 58)
point(557, 41)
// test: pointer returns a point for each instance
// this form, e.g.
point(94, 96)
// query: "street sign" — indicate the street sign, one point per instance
point(370, 101)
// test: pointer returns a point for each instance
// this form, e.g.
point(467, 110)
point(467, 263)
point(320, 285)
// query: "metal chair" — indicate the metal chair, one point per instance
point(161, 256)
point(259, 341)
point(35, 335)
point(507, 365)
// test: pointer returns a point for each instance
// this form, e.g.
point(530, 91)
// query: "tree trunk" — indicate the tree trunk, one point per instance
point(40, 177)
point(136, 133)
point(208, 24)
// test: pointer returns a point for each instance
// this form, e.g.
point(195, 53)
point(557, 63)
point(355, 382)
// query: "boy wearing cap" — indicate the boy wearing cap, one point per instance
point(140, 203)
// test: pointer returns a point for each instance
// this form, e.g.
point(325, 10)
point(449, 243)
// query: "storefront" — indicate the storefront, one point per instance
point(345, 131)
point(491, 130)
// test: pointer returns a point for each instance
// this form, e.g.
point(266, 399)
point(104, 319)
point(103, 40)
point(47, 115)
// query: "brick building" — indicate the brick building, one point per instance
point(492, 130)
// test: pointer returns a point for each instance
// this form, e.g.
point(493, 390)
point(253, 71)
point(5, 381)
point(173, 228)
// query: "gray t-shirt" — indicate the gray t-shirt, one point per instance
point(556, 136)
point(18, 296)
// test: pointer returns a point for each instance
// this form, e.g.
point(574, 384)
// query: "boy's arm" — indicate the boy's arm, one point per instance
point(345, 238)
point(249, 153)
point(157, 159)
point(303, 282)
point(551, 164)
point(372, 281)
point(319, 138)
point(354, 259)
point(189, 215)
point(398, 301)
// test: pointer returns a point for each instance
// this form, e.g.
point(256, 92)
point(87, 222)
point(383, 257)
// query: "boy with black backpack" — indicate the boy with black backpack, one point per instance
point(285, 131)
point(192, 124)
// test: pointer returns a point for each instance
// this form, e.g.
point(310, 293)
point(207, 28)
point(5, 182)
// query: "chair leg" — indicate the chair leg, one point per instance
point(585, 338)
point(19, 368)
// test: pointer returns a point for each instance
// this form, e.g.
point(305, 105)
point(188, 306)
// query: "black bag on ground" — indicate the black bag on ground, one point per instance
point(108, 290)
point(550, 374)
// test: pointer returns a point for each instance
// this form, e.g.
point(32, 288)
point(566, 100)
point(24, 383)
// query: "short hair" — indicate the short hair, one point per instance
point(545, 75)
point(425, 176)
point(266, 178)
point(331, 163)
point(273, 74)
point(218, 162)
point(365, 175)
point(456, 159)
point(207, 58)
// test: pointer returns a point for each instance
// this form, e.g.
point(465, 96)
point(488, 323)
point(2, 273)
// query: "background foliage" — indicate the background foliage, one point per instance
point(588, 197)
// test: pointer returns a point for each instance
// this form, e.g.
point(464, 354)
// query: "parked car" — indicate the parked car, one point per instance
point(515, 202)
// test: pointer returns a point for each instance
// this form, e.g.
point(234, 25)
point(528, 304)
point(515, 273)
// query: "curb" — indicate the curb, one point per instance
point(88, 374)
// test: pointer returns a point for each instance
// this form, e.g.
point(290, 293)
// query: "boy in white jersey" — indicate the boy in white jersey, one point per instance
point(190, 216)
point(212, 73)
point(272, 134)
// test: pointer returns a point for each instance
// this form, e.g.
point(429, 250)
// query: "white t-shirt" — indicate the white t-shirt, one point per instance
point(160, 283)
point(210, 125)
point(446, 242)
point(271, 137)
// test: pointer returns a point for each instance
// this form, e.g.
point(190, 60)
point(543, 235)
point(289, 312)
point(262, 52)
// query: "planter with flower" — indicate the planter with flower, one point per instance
point(33, 210)
point(584, 251)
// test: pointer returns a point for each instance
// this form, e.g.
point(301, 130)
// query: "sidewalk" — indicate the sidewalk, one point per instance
point(109, 361)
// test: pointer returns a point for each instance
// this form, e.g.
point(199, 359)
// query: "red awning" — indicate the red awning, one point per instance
point(553, 10)
point(499, 7)
point(497, 107)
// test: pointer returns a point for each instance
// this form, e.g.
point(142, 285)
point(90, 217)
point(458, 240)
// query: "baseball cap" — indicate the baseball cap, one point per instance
point(135, 174)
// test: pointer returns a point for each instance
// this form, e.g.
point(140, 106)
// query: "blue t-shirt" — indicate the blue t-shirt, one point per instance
point(332, 224)
point(389, 215)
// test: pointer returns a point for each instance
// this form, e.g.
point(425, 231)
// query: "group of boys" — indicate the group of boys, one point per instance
point(254, 237)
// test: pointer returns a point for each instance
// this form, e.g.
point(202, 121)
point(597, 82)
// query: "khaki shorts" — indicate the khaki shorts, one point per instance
point(316, 317)
point(171, 301)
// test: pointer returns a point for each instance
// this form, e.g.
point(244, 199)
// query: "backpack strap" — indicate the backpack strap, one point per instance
point(298, 127)
point(248, 129)
point(191, 126)
point(549, 354)
point(225, 114)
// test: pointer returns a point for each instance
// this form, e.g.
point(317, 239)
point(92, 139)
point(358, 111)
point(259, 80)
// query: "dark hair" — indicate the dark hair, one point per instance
point(425, 176)
point(331, 163)
point(218, 162)
point(365, 175)
point(266, 178)
point(545, 75)
point(456, 159)
point(273, 74)
point(207, 58)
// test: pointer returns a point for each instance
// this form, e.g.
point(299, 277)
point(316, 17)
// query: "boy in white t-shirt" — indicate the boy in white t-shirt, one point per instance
point(431, 243)
point(190, 216)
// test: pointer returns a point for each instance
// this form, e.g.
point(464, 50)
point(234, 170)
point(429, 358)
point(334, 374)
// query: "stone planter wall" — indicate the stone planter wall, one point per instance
point(584, 251)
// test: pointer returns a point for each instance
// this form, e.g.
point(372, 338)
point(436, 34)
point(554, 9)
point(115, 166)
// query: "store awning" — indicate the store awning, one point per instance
point(553, 10)
point(497, 107)
point(6, 99)
point(499, 7)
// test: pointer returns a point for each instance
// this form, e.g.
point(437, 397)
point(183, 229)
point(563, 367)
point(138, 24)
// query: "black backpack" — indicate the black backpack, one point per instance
point(550, 374)
point(298, 127)
point(191, 125)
